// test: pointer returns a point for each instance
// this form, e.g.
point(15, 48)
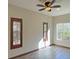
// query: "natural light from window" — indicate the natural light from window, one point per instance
point(63, 31)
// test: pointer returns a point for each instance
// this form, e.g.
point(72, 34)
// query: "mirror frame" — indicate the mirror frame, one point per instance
point(11, 41)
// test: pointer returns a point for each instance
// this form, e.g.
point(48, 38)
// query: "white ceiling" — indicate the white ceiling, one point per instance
point(31, 5)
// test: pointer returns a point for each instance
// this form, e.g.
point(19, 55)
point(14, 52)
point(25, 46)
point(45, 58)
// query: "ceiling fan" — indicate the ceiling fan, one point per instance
point(48, 5)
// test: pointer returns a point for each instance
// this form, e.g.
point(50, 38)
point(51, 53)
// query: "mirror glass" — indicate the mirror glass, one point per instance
point(16, 33)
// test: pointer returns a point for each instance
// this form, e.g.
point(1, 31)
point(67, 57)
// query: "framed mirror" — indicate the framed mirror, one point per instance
point(45, 31)
point(16, 33)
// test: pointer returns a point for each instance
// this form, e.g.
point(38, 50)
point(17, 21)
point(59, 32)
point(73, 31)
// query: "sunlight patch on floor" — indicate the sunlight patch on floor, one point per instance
point(44, 43)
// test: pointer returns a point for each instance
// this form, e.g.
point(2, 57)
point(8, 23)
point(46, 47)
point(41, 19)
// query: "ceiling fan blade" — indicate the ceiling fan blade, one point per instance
point(56, 6)
point(52, 2)
point(40, 5)
point(41, 9)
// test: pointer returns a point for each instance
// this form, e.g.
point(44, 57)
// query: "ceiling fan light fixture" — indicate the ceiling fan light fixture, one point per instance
point(48, 8)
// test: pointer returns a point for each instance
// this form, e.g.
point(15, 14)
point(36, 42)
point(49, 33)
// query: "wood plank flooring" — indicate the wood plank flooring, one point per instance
point(52, 52)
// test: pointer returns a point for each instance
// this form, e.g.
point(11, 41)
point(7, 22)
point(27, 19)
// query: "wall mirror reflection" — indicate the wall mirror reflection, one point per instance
point(16, 33)
point(45, 31)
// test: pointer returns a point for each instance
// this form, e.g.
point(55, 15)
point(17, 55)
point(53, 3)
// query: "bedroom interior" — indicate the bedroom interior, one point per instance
point(37, 32)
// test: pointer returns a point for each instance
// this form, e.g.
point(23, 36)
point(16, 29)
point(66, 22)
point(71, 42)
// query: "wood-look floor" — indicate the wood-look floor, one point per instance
point(52, 52)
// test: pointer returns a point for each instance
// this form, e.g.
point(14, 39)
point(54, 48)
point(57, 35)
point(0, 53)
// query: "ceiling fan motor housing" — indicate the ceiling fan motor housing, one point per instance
point(48, 4)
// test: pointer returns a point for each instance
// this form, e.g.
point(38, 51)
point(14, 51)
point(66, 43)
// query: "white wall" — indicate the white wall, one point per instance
point(32, 29)
point(61, 19)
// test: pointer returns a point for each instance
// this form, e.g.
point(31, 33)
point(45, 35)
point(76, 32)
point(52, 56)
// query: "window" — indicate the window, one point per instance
point(63, 31)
